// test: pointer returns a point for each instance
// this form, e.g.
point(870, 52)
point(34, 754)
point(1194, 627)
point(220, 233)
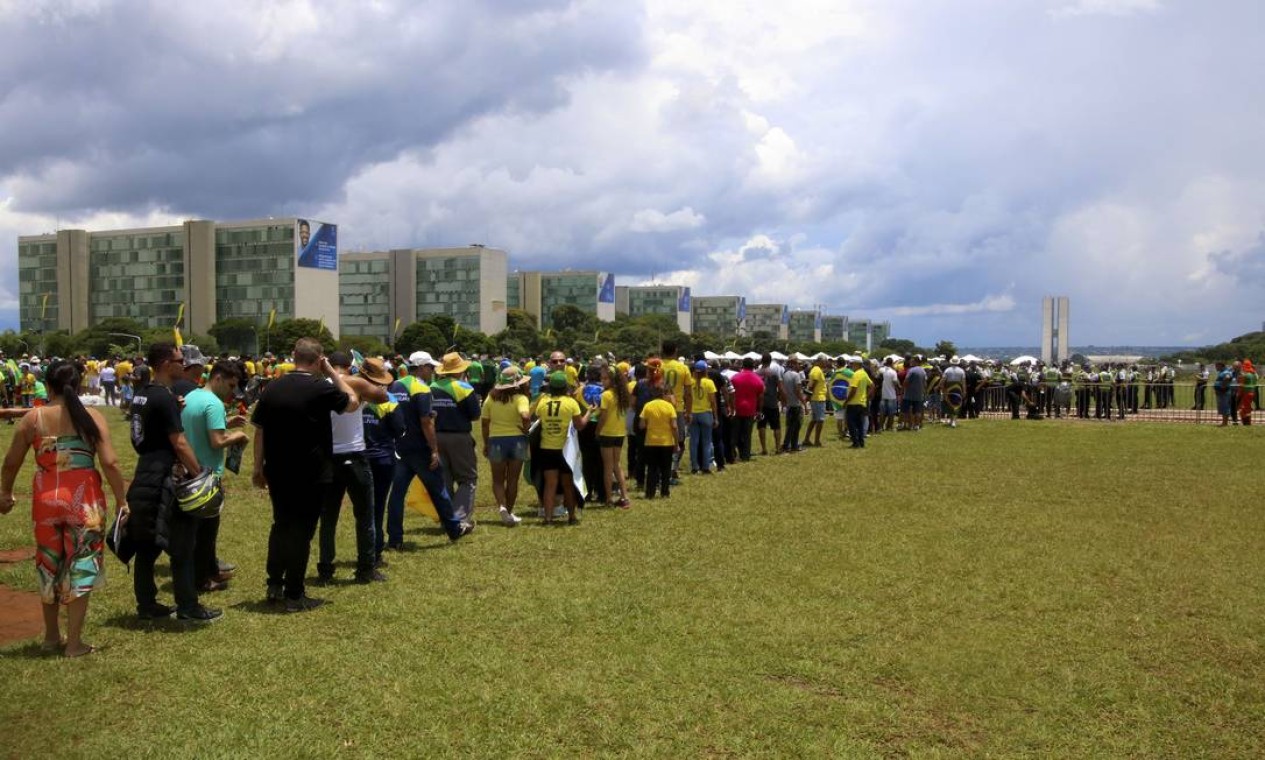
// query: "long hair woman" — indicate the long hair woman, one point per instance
point(505, 418)
point(558, 411)
point(68, 505)
point(611, 431)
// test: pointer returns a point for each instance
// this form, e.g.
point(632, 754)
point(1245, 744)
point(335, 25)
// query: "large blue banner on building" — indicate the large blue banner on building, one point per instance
point(683, 303)
point(317, 244)
point(606, 294)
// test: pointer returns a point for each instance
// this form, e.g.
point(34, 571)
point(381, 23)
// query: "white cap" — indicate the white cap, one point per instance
point(955, 361)
point(421, 359)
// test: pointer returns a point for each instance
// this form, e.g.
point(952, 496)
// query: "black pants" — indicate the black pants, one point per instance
point(205, 565)
point(720, 442)
point(296, 508)
point(658, 460)
point(1201, 396)
point(383, 472)
point(743, 437)
point(794, 421)
point(352, 477)
point(854, 417)
point(638, 441)
point(182, 536)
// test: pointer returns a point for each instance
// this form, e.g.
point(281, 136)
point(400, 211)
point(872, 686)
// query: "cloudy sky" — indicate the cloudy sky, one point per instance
point(942, 165)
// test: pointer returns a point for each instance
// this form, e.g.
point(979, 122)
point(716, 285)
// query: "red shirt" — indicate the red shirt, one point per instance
point(748, 388)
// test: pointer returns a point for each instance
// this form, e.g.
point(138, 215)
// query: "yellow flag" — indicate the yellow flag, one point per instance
point(396, 332)
point(180, 316)
point(175, 331)
point(320, 329)
point(43, 307)
point(272, 317)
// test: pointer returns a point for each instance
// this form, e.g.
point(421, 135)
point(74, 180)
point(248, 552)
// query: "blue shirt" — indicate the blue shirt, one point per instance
point(204, 412)
point(537, 377)
point(413, 403)
point(1225, 379)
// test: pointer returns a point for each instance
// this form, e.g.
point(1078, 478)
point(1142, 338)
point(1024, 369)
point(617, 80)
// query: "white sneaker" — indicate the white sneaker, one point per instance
point(559, 511)
point(509, 518)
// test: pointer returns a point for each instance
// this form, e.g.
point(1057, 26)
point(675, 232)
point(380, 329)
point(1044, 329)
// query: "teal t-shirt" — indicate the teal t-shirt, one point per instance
point(204, 412)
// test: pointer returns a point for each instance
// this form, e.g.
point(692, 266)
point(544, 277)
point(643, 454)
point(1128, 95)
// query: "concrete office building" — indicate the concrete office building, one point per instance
point(1054, 337)
point(879, 332)
point(379, 290)
point(73, 279)
point(861, 334)
point(539, 293)
point(721, 316)
point(767, 318)
point(805, 326)
point(834, 327)
point(668, 300)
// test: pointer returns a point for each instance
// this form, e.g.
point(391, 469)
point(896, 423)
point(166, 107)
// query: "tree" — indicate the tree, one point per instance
point(285, 333)
point(237, 335)
point(899, 346)
point(568, 318)
point(421, 336)
point(367, 345)
point(945, 348)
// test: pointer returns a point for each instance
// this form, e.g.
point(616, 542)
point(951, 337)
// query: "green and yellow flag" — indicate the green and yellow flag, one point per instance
point(272, 317)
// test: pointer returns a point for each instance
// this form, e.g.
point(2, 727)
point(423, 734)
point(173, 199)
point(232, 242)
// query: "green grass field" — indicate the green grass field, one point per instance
point(1038, 589)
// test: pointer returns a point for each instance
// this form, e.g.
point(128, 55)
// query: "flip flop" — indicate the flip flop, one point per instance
point(88, 651)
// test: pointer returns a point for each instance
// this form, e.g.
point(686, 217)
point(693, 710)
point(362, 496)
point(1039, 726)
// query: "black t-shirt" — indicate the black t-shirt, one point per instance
point(155, 416)
point(183, 387)
point(298, 439)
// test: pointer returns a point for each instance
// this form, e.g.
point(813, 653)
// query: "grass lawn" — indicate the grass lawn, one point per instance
point(1048, 589)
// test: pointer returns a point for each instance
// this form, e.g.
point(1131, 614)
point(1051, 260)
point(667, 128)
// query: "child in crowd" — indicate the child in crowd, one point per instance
point(658, 420)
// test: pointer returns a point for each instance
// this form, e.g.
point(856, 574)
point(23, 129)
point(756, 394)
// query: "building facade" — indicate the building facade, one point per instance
point(1055, 311)
point(722, 316)
point(805, 327)
point(769, 318)
point(73, 279)
point(668, 300)
point(539, 293)
point(381, 292)
point(834, 327)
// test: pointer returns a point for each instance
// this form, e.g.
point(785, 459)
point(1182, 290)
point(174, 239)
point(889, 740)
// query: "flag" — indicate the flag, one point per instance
point(43, 307)
point(272, 317)
point(357, 358)
point(396, 333)
point(175, 331)
point(180, 315)
point(321, 328)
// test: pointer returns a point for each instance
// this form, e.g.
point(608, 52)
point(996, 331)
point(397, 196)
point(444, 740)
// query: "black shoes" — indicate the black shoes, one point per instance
point(275, 593)
point(155, 612)
point(369, 576)
point(303, 604)
point(199, 614)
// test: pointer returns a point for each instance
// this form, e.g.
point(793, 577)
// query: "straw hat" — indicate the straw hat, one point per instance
point(375, 372)
point(453, 364)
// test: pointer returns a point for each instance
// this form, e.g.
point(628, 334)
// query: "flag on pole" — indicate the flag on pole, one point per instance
point(321, 328)
point(175, 331)
point(396, 333)
point(272, 317)
point(180, 315)
point(43, 307)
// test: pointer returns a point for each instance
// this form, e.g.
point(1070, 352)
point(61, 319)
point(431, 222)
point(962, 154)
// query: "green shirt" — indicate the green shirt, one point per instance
point(204, 412)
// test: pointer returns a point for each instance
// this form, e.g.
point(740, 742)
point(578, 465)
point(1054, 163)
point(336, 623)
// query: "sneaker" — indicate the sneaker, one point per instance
point(623, 504)
point(559, 512)
point(508, 518)
point(200, 614)
point(380, 563)
point(275, 593)
point(155, 612)
point(467, 527)
point(465, 530)
point(225, 567)
point(212, 585)
point(369, 576)
point(674, 481)
point(304, 603)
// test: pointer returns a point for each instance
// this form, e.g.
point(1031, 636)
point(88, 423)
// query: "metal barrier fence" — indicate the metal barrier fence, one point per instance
point(1167, 402)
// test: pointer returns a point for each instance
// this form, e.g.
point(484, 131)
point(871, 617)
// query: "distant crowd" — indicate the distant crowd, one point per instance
point(382, 432)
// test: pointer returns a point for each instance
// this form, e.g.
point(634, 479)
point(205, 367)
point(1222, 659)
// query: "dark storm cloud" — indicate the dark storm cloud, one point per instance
point(149, 105)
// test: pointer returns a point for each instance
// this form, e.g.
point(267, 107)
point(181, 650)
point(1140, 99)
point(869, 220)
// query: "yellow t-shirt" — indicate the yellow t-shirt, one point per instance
point(676, 378)
point(703, 393)
point(123, 371)
point(861, 382)
point(573, 375)
point(817, 384)
point(506, 416)
point(282, 369)
point(250, 369)
point(613, 422)
point(555, 413)
point(659, 415)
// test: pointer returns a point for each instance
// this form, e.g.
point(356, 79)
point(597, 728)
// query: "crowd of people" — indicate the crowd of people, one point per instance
point(328, 428)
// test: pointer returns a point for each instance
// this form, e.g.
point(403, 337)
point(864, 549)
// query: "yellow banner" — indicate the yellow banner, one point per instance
point(180, 315)
point(43, 307)
point(175, 332)
point(272, 318)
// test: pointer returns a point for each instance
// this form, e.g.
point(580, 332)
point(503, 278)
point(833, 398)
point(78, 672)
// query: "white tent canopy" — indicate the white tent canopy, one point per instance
point(895, 358)
point(970, 358)
point(711, 356)
point(751, 355)
point(778, 356)
point(1015, 362)
point(732, 355)
point(820, 355)
point(800, 356)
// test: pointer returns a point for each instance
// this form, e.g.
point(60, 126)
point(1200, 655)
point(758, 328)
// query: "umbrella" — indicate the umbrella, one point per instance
point(1015, 362)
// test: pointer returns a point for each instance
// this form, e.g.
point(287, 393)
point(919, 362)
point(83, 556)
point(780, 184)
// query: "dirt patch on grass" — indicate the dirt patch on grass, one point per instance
point(13, 556)
point(20, 616)
point(803, 684)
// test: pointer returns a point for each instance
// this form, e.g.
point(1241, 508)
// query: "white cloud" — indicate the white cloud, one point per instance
point(994, 303)
point(1106, 8)
point(652, 220)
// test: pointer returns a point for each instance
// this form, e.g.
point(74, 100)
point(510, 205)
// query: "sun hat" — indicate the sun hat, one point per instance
point(192, 356)
point(511, 377)
point(453, 364)
point(375, 372)
point(421, 359)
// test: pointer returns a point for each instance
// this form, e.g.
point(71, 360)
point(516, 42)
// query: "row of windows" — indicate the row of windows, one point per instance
point(268, 234)
point(255, 309)
point(250, 292)
point(136, 290)
point(136, 242)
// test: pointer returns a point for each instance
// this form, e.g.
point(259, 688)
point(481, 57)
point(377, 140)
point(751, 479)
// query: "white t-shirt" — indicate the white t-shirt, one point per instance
point(108, 374)
point(891, 381)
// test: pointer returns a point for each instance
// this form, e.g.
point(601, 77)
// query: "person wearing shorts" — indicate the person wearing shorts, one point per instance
point(817, 392)
point(770, 404)
point(504, 421)
point(558, 410)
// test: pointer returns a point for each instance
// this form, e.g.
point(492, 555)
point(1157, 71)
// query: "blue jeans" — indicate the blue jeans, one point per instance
point(383, 473)
point(701, 441)
point(407, 467)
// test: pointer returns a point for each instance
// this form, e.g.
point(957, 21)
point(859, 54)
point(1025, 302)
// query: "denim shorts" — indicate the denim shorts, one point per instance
point(889, 406)
point(509, 448)
point(819, 410)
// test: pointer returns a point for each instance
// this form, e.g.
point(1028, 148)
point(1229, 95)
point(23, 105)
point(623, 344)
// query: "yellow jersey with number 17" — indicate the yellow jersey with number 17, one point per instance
point(555, 413)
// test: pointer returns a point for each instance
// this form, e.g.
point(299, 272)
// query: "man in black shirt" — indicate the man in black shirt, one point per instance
point(294, 460)
point(156, 523)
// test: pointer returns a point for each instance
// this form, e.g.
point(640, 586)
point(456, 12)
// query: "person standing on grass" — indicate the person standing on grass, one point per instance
point(455, 406)
point(1247, 391)
point(156, 523)
point(704, 418)
point(109, 381)
point(890, 406)
point(748, 388)
point(954, 381)
point(770, 404)
point(417, 452)
point(659, 419)
point(558, 412)
point(817, 393)
point(915, 387)
point(1221, 391)
point(68, 505)
point(793, 394)
point(857, 403)
point(381, 430)
point(504, 420)
point(294, 461)
point(611, 431)
point(352, 475)
point(678, 381)
point(207, 428)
